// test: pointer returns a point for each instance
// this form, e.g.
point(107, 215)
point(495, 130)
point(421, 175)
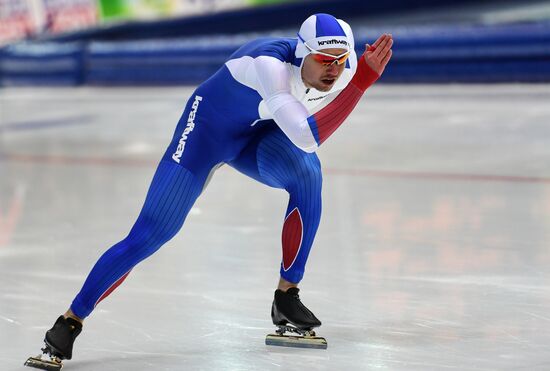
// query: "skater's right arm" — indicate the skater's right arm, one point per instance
point(288, 112)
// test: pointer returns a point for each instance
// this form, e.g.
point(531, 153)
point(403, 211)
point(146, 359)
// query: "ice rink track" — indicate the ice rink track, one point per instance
point(433, 251)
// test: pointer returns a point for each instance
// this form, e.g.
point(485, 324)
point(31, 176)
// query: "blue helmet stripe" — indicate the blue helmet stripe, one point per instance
point(327, 25)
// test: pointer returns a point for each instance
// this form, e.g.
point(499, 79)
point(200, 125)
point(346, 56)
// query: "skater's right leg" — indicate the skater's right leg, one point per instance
point(172, 194)
point(181, 175)
point(197, 148)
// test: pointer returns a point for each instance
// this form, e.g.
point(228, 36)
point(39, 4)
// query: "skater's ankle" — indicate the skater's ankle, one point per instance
point(285, 285)
point(70, 314)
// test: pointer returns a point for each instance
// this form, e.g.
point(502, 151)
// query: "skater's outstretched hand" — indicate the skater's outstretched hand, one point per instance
point(378, 55)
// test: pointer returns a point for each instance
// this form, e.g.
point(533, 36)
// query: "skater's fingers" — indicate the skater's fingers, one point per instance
point(382, 50)
point(386, 58)
point(378, 41)
point(385, 50)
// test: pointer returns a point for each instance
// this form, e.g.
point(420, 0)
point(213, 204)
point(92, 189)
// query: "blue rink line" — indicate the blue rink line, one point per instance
point(47, 123)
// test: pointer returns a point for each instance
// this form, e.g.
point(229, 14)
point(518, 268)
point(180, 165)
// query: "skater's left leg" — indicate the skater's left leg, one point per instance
point(274, 160)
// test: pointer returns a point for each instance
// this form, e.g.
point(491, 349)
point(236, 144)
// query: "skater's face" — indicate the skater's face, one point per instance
point(318, 74)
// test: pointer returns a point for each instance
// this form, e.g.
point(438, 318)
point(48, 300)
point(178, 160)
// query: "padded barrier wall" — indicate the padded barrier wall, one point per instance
point(504, 53)
point(42, 64)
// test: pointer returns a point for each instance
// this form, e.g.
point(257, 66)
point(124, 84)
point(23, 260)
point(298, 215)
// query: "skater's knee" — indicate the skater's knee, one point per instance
point(312, 173)
point(145, 237)
point(149, 230)
point(307, 176)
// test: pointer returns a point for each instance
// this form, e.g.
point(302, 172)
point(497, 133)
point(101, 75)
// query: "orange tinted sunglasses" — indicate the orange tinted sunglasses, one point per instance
point(328, 59)
point(324, 58)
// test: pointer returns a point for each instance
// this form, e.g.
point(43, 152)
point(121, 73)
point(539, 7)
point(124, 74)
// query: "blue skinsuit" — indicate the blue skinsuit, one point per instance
point(224, 122)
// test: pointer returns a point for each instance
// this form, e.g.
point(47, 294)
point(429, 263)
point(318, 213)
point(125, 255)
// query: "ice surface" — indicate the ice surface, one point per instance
point(433, 251)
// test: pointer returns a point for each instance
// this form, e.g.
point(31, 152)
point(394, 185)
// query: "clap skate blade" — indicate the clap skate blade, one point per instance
point(52, 364)
point(303, 339)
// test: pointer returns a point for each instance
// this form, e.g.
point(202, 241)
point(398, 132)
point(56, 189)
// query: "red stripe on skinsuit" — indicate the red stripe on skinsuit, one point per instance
point(112, 288)
point(333, 115)
point(292, 238)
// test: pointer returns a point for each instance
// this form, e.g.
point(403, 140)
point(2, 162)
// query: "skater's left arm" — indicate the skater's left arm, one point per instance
point(370, 67)
point(305, 131)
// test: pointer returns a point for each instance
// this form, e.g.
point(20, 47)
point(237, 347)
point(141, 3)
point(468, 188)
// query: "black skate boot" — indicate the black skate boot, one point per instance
point(59, 342)
point(287, 308)
point(289, 314)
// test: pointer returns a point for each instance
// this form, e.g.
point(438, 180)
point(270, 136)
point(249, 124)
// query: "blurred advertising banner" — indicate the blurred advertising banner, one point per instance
point(148, 9)
point(20, 19)
point(67, 15)
point(16, 20)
